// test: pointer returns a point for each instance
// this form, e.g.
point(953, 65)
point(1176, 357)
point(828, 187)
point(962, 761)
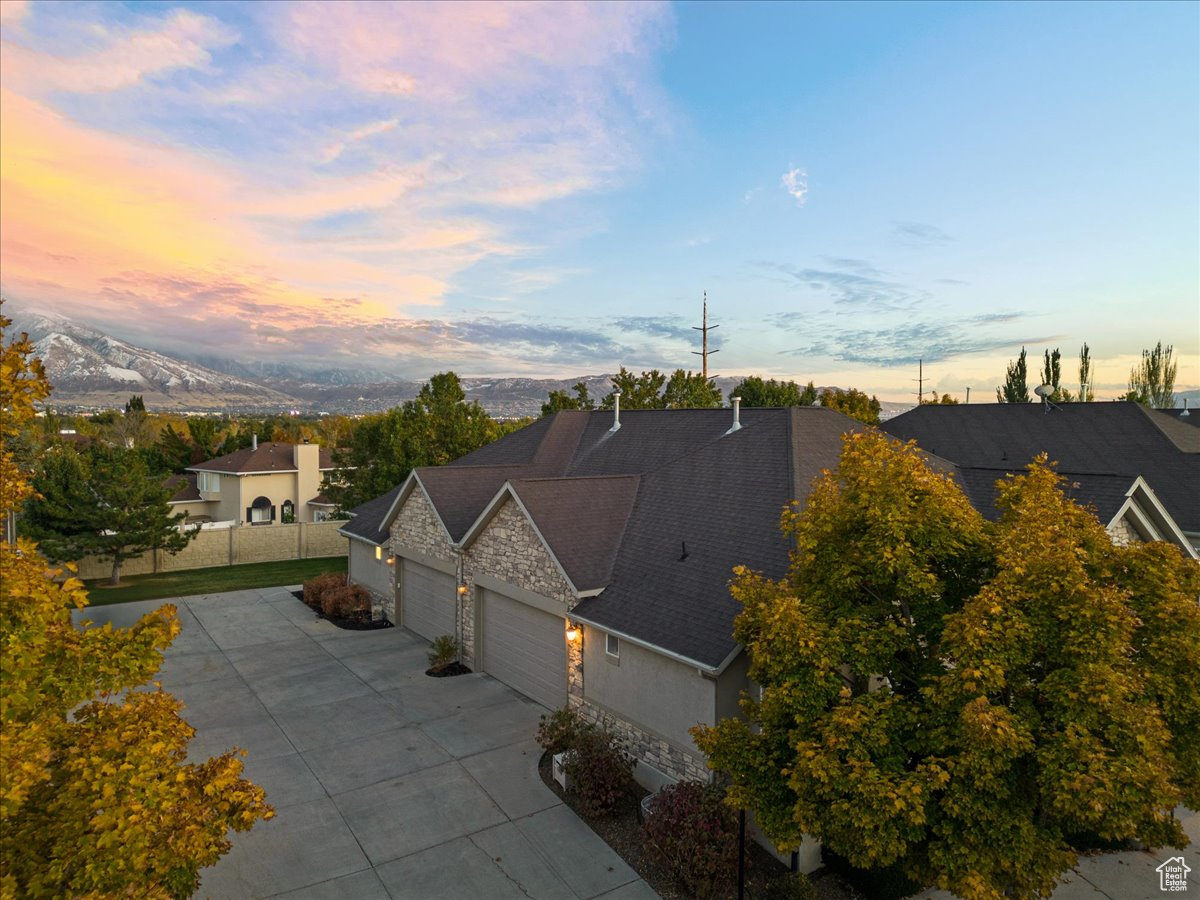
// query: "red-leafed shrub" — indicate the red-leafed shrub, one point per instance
point(599, 769)
point(693, 836)
point(347, 601)
point(557, 731)
point(316, 588)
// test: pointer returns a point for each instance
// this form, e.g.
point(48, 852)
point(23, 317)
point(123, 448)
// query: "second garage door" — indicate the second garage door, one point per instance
point(525, 648)
point(427, 600)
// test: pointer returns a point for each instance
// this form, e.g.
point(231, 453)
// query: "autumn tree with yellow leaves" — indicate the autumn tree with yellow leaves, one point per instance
point(961, 698)
point(96, 796)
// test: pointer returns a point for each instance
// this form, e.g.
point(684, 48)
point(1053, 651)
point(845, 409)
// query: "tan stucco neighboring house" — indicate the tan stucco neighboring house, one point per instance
point(269, 482)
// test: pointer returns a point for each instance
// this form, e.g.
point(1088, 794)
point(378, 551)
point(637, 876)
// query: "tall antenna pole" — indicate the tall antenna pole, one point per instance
point(704, 329)
point(920, 380)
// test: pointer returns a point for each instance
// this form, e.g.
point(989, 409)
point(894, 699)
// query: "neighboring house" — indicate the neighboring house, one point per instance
point(587, 563)
point(1139, 469)
point(258, 485)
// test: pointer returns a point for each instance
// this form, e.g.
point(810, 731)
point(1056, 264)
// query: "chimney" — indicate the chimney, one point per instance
point(254, 442)
point(737, 412)
point(616, 426)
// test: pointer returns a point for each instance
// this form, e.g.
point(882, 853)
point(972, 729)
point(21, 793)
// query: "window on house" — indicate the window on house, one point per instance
point(208, 482)
point(612, 646)
point(260, 512)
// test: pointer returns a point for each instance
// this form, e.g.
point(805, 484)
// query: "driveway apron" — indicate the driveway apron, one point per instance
point(386, 783)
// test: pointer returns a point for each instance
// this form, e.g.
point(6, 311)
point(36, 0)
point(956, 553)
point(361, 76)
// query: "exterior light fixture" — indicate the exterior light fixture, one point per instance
point(379, 553)
point(572, 631)
point(463, 588)
point(391, 560)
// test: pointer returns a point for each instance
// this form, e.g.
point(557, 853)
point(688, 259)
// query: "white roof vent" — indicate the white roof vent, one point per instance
point(737, 415)
point(616, 425)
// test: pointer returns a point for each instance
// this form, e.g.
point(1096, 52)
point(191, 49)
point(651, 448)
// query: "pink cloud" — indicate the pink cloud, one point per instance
point(124, 57)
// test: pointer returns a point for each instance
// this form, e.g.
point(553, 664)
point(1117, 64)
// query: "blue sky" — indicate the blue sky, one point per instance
point(550, 189)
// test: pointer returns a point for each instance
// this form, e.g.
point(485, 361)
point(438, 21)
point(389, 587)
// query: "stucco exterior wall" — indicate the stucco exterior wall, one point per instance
point(651, 700)
point(192, 508)
point(231, 546)
point(373, 574)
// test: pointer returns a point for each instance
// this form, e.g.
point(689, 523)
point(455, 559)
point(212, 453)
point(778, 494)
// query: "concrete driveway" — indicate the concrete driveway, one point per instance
point(385, 782)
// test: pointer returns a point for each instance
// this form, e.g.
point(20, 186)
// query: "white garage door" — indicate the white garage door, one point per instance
point(427, 600)
point(525, 648)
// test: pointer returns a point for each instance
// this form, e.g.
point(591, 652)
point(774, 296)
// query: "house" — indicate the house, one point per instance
point(585, 559)
point(257, 485)
point(1138, 468)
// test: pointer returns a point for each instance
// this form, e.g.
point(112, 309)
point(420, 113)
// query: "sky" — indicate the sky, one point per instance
point(550, 190)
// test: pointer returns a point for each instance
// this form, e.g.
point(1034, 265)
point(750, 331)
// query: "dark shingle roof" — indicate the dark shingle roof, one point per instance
point(366, 519)
point(184, 487)
point(720, 505)
point(270, 456)
point(1086, 439)
point(1103, 493)
point(582, 519)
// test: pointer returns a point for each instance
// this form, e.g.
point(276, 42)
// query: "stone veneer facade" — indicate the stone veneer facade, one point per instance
point(417, 527)
point(509, 550)
point(1122, 533)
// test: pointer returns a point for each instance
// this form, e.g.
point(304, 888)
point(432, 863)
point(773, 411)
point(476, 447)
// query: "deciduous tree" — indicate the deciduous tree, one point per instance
point(853, 403)
point(961, 698)
point(97, 798)
point(1152, 381)
point(691, 390)
point(435, 428)
point(755, 392)
point(562, 400)
point(637, 391)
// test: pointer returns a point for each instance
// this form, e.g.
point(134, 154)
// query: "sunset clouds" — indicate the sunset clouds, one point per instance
point(536, 187)
point(350, 188)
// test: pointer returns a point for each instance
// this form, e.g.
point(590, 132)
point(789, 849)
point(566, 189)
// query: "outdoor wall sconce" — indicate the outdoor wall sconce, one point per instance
point(463, 588)
point(391, 560)
point(572, 631)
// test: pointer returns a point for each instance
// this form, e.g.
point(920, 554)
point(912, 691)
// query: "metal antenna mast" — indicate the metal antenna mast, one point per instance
point(920, 380)
point(704, 329)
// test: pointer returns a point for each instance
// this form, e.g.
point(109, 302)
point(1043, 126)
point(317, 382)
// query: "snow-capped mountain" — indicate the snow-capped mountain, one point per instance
point(90, 368)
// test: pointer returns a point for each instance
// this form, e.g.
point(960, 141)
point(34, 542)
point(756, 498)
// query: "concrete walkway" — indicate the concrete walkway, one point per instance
point(386, 783)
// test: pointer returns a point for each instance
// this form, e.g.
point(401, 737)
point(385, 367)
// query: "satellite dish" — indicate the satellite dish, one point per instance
point(1044, 390)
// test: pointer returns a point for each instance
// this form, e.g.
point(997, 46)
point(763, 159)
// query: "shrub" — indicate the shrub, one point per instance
point(346, 601)
point(558, 730)
point(316, 588)
point(443, 651)
point(693, 836)
point(792, 886)
point(600, 770)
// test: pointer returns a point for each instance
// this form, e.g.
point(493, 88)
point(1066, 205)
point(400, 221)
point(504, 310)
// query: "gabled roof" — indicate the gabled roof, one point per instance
point(271, 456)
point(1085, 439)
point(579, 520)
point(366, 519)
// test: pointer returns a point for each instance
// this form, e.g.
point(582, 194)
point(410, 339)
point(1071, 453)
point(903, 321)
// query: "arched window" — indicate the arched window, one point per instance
point(260, 512)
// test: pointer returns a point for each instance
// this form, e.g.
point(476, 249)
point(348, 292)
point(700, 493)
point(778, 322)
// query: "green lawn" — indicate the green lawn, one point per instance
point(209, 581)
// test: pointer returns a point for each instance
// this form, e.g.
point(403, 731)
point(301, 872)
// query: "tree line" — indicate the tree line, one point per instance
point(1151, 380)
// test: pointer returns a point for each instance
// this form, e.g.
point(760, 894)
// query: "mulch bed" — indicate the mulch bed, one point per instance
point(454, 668)
point(357, 622)
point(622, 830)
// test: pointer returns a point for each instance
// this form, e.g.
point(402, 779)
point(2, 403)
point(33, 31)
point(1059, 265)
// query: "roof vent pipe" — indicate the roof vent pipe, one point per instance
point(737, 414)
point(616, 426)
point(1185, 413)
point(254, 442)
